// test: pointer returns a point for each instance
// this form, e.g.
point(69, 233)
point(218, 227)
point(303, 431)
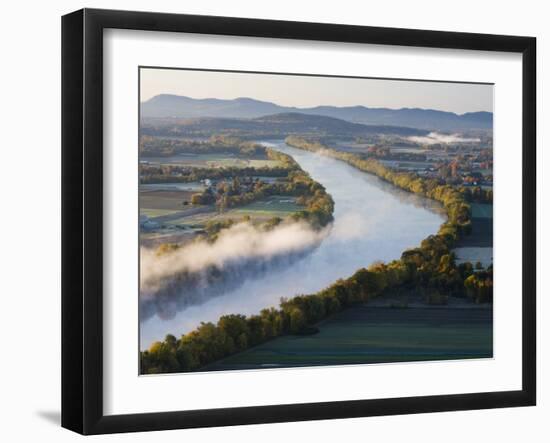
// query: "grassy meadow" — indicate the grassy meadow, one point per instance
point(212, 161)
point(478, 246)
point(365, 334)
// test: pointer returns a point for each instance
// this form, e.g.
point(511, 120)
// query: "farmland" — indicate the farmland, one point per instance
point(365, 334)
point(178, 223)
point(164, 200)
point(221, 160)
point(482, 210)
point(258, 211)
point(478, 246)
point(220, 180)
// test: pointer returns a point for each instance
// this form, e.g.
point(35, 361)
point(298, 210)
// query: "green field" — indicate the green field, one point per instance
point(162, 203)
point(166, 207)
point(259, 211)
point(255, 163)
point(482, 229)
point(275, 203)
point(366, 334)
point(174, 186)
point(168, 200)
point(152, 213)
point(211, 161)
point(480, 210)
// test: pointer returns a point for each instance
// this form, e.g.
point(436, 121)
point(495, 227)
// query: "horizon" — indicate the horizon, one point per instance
point(310, 91)
point(298, 108)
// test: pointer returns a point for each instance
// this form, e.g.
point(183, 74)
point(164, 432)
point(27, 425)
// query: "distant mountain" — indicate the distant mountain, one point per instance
point(176, 106)
point(275, 125)
point(166, 106)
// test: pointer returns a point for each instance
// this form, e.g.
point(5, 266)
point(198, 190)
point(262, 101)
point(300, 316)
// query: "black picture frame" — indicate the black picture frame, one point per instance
point(82, 218)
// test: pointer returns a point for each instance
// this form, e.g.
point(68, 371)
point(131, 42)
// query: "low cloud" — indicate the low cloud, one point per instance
point(434, 137)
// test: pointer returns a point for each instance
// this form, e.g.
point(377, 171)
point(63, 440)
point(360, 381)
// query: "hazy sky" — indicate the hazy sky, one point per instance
point(306, 91)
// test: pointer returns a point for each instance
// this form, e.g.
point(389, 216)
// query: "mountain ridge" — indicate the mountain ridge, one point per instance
point(274, 125)
point(179, 106)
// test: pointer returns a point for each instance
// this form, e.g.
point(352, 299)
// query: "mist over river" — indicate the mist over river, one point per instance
point(372, 221)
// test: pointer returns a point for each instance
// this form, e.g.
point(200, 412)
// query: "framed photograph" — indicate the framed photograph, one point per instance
point(270, 221)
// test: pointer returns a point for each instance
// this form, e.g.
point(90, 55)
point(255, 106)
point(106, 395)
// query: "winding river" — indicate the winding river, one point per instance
point(372, 221)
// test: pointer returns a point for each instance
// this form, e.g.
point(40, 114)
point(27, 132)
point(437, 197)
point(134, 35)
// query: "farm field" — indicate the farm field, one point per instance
point(156, 238)
point(259, 211)
point(406, 164)
point(210, 161)
point(478, 246)
point(482, 228)
point(155, 204)
point(166, 212)
point(366, 334)
point(276, 203)
point(191, 186)
point(154, 213)
point(481, 210)
point(166, 200)
point(409, 150)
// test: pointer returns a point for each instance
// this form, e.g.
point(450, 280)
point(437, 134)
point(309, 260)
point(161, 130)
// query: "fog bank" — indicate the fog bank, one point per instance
point(240, 242)
point(435, 138)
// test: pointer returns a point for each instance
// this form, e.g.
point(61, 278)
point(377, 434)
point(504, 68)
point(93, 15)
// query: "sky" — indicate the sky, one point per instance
point(309, 91)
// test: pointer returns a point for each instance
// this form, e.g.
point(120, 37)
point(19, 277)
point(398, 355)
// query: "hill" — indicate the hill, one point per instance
point(276, 125)
point(181, 107)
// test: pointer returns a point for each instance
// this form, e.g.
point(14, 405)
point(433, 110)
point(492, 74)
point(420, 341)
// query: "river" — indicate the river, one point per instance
point(372, 221)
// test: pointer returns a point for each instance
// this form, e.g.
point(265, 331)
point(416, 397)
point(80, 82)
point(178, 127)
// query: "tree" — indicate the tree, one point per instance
point(297, 320)
point(236, 327)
